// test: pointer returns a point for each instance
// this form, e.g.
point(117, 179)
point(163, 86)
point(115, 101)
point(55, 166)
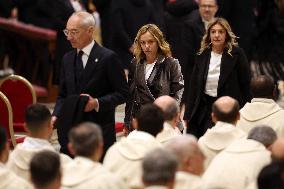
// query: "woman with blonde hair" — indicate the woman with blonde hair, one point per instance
point(153, 71)
point(221, 69)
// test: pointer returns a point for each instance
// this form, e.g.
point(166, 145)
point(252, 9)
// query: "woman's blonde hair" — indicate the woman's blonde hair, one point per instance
point(230, 40)
point(163, 45)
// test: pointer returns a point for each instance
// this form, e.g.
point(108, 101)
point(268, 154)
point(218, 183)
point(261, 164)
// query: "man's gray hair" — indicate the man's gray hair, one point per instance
point(159, 167)
point(263, 134)
point(183, 146)
point(86, 18)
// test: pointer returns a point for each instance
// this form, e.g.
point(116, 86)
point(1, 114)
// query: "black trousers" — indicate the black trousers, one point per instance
point(201, 119)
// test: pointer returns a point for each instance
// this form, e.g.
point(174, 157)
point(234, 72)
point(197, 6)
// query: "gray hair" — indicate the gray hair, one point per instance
point(159, 167)
point(263, 134)
point(86, 18)
point(85, 138)
point(183, 146)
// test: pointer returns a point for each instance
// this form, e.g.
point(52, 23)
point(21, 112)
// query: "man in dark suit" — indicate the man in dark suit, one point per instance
point(195, 28)
point(93, 71)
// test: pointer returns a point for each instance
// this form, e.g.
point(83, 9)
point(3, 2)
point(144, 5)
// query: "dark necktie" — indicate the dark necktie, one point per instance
point(79, 69)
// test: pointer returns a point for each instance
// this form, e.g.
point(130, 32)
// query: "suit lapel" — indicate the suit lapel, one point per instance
point(201, 26)
point(93, 61)
point(204, 65)
point(227, 65)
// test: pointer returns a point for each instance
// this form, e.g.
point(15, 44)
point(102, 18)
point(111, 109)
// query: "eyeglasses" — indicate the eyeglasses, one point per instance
point(207, 6)
point(71, 32)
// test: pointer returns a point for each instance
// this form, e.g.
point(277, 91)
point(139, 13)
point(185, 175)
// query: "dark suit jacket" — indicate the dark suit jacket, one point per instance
point(193, 32)
point(240, 15)
point(102, 78)
point(128, 17)
point(234, 79)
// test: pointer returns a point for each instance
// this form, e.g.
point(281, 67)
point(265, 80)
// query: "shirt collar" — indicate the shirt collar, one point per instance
point(140, 135)
point(87, 50)
point(35, 143)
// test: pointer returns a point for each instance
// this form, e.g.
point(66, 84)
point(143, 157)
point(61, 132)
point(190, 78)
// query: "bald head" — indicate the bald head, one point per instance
point(225, 109)
point(262, 87)
point(169, 106)
point(277, 150)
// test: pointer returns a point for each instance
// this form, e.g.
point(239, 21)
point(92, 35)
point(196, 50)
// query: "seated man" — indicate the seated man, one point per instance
point(39, 128)
point(190, 162)
point(159, 169)
point(262, 109)
point(171, 112)
point(225, 114)
point(45, 170)
point(8, 180)
point(239, 164)
point(85, 171)
point(124, 157)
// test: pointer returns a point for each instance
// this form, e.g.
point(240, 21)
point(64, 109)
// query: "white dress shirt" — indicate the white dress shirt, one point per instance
point(213, 74)
point(86, 53)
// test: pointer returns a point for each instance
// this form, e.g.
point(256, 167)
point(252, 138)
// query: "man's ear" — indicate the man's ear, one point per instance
point(177, 118)
point(91, 29)
point(99, 151)
point(214, 118)
point(238, 116)
point(135, 123)
point(26, 128)
point(71, 149)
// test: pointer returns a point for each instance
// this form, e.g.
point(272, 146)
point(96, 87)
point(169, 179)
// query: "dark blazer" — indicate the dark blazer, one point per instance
point(194, 30)
point(128, 17)
point(165, 79)
point(243, 25)
point(103, 78)
point(234, 79)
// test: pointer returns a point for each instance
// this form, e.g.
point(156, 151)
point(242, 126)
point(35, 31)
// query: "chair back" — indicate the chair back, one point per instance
point(21, 94)
point(6, 118)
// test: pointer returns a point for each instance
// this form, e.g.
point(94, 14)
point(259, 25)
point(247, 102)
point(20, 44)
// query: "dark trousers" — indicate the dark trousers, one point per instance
point(201, 119)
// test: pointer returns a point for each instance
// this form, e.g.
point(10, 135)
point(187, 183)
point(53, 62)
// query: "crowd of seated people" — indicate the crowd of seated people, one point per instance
point(142, 159)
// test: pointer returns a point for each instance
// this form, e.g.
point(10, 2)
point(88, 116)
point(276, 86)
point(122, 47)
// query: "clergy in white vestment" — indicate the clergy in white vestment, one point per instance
point(225, 114)
point(171, 111)
point(39, 128)
point(85, 171)
point(191, 161)
point(124, 158)
point(8, 179)
point(239, 164)
point(262, 109)
point(159, 169)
